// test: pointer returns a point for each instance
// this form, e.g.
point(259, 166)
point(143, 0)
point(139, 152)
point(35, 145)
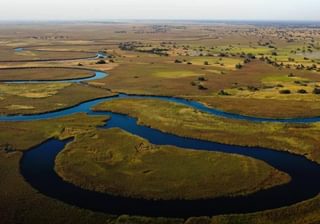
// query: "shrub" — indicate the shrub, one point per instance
point(177, 61)
point(201, 78)
point(193, 83)
point(302, 91)
point(316, 91)
point(246, 61)
point(101, 62)
point(285, 91)
point(239, 66)
point(252, 88)
point(202, 87)
point(223, 93)
point(291, 75)
point(206, 63)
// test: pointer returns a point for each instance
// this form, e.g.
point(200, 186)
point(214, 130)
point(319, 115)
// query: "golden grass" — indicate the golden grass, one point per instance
point(33, 90)
point(43, 73)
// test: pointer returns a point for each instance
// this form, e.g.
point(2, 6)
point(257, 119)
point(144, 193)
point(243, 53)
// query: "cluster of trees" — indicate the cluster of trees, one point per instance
point(130, 46)
point(139, 47)
point(301, 91)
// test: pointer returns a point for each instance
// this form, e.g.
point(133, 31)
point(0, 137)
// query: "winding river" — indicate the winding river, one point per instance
point(97, 75)
point(98, 55)
point(37, 167)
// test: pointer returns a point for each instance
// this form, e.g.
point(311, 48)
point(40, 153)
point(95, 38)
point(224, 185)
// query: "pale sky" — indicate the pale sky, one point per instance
point(160, 9)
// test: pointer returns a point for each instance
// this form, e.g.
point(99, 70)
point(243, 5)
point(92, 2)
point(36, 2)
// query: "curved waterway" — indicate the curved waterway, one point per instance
point(96, 76)
point(37, 167)
point(98, 55)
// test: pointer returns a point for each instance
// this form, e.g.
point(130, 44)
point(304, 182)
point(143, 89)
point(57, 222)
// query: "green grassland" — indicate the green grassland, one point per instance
point(39, 98)
point(141, 75)
point(116, 162)
point(273, 85)
point(20, 203)
point(185, 121)
point(155, 75)
point(260, 107)
point(39, 73)
point(8, 54)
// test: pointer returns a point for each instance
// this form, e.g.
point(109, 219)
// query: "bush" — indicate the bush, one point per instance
point(246, 61)
point(291, 75)
point(202, 87)
point(206, 63)
point(239, 66)
point(285, 91)
point(101, 62)
point(302, 91)
point(177, 61)
point(252, 88)
point(223, 93)
point(193, 83)
point(201, 78)
point(316, 91)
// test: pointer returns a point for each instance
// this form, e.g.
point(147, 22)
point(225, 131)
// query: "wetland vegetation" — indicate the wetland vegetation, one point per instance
point(262, 71)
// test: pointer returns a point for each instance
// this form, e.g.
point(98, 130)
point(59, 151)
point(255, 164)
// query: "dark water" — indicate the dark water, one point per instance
point(37, 166)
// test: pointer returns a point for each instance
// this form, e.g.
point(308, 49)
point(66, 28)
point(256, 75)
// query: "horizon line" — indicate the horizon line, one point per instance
point(158, 19)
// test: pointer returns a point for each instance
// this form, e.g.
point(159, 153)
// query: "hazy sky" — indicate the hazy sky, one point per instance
point(159, 9)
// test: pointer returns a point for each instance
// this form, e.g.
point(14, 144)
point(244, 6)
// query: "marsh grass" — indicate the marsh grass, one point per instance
point(119, 163)
point(186, 121)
